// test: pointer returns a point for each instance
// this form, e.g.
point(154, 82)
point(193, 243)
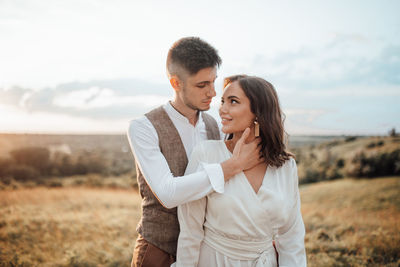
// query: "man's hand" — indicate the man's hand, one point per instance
point(245, 156)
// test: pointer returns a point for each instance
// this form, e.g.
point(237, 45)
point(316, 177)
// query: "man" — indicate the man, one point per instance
point(162, 141)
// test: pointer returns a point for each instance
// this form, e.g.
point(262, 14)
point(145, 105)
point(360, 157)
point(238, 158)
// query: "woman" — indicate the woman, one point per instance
point(260, 205)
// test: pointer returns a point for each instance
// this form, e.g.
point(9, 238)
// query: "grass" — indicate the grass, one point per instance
point(353, 222)
point(67, 227)
point(348, 223)
point(125, 181)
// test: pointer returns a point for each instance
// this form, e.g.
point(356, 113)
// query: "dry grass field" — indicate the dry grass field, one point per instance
point(349, 223)
point(67, 227)
point(352, 222)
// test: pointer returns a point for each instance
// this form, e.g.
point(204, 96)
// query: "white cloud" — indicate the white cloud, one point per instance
point(25, 97)
point(96, 97)
point(20, 121)
point(306, 115)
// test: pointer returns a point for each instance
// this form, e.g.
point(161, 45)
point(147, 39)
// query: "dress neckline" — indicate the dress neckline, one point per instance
point(246, 180)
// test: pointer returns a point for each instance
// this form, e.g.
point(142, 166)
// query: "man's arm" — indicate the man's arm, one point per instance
point(171, 191)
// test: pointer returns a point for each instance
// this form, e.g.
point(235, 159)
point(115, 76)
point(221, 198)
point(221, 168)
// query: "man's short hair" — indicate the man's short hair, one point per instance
point(191, 54)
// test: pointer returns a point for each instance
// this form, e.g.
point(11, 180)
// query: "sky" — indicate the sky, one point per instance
point(91, 66)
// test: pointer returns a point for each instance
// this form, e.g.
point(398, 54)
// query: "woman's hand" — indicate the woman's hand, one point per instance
point(245, 156)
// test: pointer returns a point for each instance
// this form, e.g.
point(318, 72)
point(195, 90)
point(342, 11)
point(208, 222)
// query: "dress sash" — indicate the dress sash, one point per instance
point(259, 249)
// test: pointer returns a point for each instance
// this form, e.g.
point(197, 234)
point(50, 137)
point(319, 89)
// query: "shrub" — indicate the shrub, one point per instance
point(393, 132)
point(35, 157)
point(63, 165)
point(96, 164)
point(55, 184)
point(23, 173)
point(381, 164)
point(340, 163)
point(333, 173)
point(5, 163)
point(371, 145)
point(311, 176)
point(80, 168)
point(350, 139)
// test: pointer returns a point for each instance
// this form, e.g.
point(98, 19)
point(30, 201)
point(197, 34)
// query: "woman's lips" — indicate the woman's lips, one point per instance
point(225, 121)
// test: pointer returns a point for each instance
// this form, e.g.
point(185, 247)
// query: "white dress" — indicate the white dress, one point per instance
point(236, 228)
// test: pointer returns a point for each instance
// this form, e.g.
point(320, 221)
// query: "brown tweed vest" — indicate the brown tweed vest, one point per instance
point(159, 225)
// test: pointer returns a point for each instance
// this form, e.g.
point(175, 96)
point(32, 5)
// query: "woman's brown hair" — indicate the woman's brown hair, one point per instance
point(265, 106)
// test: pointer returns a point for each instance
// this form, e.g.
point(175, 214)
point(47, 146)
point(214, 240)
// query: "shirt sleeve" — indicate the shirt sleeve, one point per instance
point(290, 237)
point(171, 191)
point(191, 219)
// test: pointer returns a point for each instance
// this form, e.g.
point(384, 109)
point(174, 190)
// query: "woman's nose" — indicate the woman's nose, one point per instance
point(222, 109)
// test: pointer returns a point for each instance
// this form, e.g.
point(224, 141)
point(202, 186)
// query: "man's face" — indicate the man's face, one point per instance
point(198, 90)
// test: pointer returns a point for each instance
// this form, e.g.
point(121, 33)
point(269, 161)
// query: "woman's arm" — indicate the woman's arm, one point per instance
point(290, 239)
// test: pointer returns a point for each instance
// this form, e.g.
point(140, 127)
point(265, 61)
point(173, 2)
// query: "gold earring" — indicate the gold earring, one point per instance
point(256, 128)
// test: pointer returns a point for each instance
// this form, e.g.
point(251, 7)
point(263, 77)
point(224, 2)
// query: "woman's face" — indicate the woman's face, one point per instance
point(235, 110)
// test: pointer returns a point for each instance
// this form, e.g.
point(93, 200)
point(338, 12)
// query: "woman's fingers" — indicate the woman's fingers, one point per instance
point(240, 142)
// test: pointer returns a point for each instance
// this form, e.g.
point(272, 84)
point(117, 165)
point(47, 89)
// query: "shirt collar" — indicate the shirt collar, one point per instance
point(175, 114)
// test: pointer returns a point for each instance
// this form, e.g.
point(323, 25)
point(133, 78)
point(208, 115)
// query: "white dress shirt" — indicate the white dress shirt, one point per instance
point(173, 191)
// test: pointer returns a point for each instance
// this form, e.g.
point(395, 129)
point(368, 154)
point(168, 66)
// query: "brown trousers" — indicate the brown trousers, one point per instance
point(148, 255)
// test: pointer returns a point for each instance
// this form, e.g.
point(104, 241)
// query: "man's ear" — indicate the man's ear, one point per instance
point(175, 83)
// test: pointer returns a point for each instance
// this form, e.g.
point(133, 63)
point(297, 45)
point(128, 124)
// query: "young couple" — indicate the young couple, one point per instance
point(235, 197)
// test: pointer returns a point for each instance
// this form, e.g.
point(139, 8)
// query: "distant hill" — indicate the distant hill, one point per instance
point(319, 158)
point(297, 141)
point(89, 143)
point(31, 157)
point(118, 143)
point(349, 157)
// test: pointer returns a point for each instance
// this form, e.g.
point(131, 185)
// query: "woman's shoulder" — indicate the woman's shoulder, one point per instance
point(289, 164)
point(287, 175)
point(289, 169)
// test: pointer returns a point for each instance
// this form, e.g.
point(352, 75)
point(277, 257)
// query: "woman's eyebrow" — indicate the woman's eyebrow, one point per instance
point(230, 97)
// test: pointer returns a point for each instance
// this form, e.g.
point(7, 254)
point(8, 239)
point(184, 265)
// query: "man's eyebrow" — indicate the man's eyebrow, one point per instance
point(207, 82)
